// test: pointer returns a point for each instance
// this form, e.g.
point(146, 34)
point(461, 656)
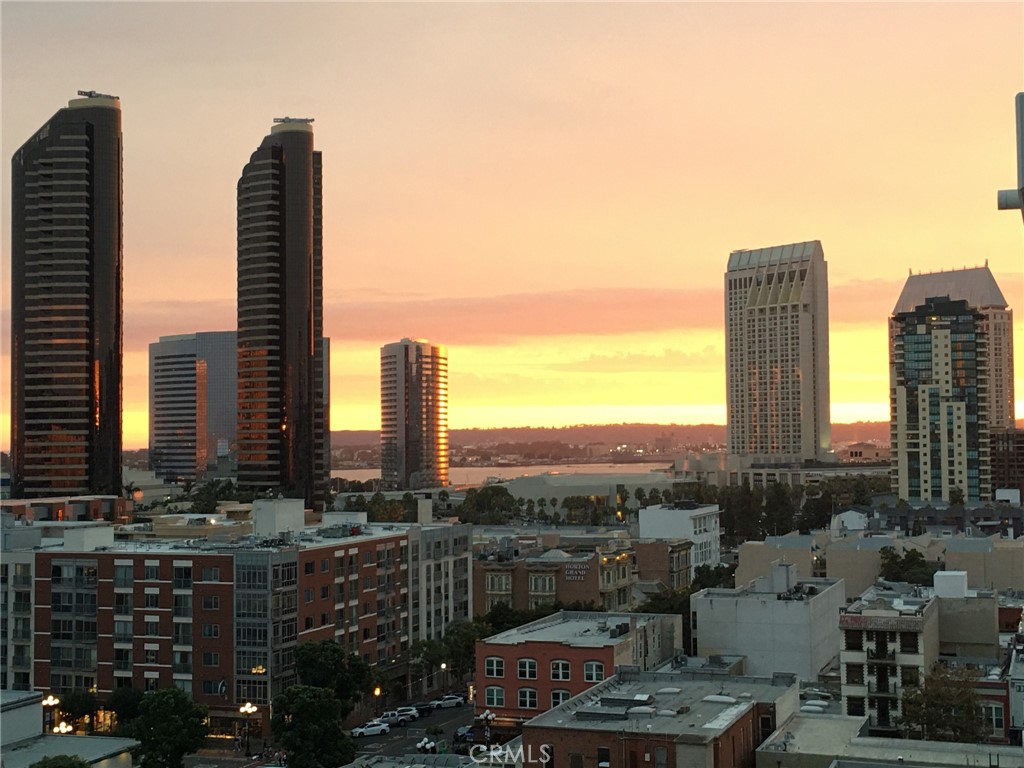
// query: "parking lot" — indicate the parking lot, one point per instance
point(402, 740)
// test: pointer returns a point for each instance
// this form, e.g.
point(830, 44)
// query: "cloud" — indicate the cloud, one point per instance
point(669, 361)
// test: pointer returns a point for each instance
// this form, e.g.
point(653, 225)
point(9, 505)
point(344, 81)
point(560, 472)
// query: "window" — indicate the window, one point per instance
point(308, 595)
point(152, 627)
point(855, 674)
point(499, 582)
point(909, 642)
point(309, 567)
point(211, 574)
point(603, 757)
point(122, 631)
point(122, 603)
point(152, 656)
point(211, 659)
point(910, 677)
point(855, 705)
point(527, 698)
point(660, 757)
point(993, 713)
point(325, 591)
point(211, 603)
point(152, 573)
point(559, 669)
point(183, 577)
point(325, 565)
point(494, 696)
point(210, 687)
point(211, 630)
point(309, 622)
point(542, 583)
point(494, 666)
point(593, 672)
point(183, 606)
point(152, 601)
point(854, 640)
point(559, 695)
point(527, 669)
point(123, 576)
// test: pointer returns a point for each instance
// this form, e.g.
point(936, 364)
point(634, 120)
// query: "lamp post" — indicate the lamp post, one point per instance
point(247, 709)
point(444, 675)
point(49, 711)
point(487, 718)
point(62, 728)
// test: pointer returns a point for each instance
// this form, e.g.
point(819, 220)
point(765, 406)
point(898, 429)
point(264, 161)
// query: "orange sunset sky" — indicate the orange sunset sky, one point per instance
point(550, 190)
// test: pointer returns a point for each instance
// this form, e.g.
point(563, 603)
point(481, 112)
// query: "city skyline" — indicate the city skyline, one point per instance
point(554, 188)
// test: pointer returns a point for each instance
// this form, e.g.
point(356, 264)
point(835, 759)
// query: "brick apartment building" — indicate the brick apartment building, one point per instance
point(526, 670)
point(663, 720)
point(220, 619)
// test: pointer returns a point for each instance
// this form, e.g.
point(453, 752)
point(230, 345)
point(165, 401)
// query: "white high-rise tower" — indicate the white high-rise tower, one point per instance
point(776, 342)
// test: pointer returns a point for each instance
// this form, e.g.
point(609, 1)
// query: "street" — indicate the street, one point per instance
point(403, 740)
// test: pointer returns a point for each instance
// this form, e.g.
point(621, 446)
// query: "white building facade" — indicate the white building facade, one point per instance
point(686, 520)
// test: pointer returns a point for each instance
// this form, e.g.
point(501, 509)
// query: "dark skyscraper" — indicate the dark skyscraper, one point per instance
point(282, 396)
point(66, 314)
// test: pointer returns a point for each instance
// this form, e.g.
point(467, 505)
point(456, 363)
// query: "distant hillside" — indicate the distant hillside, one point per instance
point(679, 434)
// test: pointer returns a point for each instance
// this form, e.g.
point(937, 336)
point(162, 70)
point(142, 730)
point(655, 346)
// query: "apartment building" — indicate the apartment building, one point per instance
point(700, 523)
point(604, 578)
point(539, 665)
point(220, 619)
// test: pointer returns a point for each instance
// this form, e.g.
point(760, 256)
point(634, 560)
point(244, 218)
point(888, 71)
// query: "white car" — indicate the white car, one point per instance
point(451, 700)
point(410, 712)
point(372, 728)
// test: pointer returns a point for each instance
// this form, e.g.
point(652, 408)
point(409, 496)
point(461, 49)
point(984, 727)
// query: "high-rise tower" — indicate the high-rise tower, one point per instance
point(950, 383)
point(66, 317)
point(193, 402)
point(776, 342)
point(283, 402)
point(413, 415)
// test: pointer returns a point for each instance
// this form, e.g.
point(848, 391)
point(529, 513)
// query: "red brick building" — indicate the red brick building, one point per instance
point(673, 719)
point(531, 668)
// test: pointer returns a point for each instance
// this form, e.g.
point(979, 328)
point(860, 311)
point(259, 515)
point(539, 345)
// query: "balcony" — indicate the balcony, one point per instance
point(887, 688)
point(882, 657)
point(182, 667)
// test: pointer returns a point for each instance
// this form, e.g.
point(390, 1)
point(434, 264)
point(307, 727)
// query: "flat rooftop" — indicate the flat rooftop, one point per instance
point(92, 749)
point(691, 706)
point(588, 629)
point(838, 736)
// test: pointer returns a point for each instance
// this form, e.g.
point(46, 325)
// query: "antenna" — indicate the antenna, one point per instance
point(286, 119)
point(96, 95)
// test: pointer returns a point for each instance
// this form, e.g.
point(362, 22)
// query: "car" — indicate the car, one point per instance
point(372, 728)
point(394, 717)
point(423, 707)
point(411, 712)
point(464, 734)
point(449, 700)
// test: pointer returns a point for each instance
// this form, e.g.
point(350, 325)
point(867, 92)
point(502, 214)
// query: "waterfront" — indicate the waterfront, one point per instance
point(473, 476)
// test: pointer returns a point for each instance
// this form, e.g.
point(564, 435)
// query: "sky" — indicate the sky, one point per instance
point(551, 190)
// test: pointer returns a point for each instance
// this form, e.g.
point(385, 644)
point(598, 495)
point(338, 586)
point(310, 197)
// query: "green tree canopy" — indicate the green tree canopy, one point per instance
point(327, 664)
point(126, 703)
point(460, 646)
point(307, 724)
point(169, 726)
point(76, 704)
point(60, 761)
point(945, 708)
point(911, 567)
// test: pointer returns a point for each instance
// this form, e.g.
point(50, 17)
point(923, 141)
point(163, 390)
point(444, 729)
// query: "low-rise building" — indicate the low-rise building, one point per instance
point(663, 720)
point(781, 623)
point(686, 520)
point(539, 665)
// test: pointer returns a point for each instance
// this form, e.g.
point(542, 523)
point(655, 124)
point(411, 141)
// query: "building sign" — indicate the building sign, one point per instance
point(576, 571)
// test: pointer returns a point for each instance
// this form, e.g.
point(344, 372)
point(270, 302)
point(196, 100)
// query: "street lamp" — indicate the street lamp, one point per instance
point(62, 728)
point(444, 677)
point(49, 710)
point(247, 709)
point(487, 718)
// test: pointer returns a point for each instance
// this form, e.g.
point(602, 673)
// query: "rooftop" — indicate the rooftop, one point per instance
point(838, 736)
point(575, 628)
point(975, 284)
point(92, 749)
point(692, 706)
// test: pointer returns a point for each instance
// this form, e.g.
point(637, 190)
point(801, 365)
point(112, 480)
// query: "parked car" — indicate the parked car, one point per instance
point(423, 707)
point(372, 728)
point(464, 734)
point(394, 717)
point(411, 712)
point(447, 701)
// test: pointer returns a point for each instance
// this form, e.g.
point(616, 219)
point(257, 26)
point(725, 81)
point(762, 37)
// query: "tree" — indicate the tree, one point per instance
point(956, 496)
point(126, 704)
point(778, 510)
point(77, 705)
point(641, 497)
point(307, 724)
point(704, 577)
point(654, 497)
point(945, 708)
point(675, 601)
point(60, 761)
point(326, 664)
point(911, 567)
point(169, 726)
point(460, 646)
